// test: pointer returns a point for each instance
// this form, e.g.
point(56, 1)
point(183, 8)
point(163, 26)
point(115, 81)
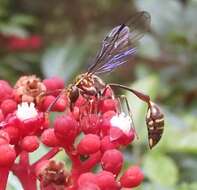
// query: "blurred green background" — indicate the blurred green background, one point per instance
point(61, 37)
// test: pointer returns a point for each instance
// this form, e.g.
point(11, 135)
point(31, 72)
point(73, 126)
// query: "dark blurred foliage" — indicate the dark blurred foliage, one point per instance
point(61, 37)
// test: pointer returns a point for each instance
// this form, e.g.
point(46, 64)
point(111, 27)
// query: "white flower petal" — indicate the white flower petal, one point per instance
point(26, 111)
point(122, 122)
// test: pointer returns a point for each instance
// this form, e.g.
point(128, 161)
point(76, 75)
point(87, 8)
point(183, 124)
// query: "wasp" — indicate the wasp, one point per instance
point(117, 48)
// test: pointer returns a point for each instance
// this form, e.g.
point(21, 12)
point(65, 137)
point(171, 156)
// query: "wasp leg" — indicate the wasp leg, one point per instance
point(140, 95)
point(54, 102)
point(124, 98)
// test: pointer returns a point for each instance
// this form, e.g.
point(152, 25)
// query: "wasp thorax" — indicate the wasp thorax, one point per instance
point(155, 124)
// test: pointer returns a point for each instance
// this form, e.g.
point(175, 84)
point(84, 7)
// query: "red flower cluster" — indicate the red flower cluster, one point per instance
point(90, 133)
point(15, 43)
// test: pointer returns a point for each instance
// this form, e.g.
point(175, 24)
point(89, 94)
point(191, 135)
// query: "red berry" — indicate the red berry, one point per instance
point(132, 177)
point(89, 144)
point(30, 143)
point(49, 138)
point(8, 155)
point(13, 133)
point(89, 186)
point(112, 161)
point(86, 178)
point(53, 84)
point(1, 116)
point(8, 106)
point(48, 100)
point(107, 144)
point(5, 135)
point(35, 42)
point(3, 141)
point(66, 128)
point(60, 105)
point(5, 90)
point(106, 181)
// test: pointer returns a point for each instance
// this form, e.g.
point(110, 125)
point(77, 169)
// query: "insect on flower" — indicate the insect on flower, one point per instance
point(117, 48)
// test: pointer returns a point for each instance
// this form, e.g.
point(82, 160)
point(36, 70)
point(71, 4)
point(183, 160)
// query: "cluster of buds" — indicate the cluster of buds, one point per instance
point(91, 133)
point(15, 43)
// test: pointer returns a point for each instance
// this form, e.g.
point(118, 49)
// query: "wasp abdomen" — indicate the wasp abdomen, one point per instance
point(155, 124)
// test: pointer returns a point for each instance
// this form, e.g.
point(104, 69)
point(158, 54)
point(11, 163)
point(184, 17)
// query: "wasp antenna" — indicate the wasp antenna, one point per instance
point(140, 95)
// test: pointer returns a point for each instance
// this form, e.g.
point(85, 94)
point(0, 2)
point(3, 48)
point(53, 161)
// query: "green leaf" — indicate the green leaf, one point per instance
point(63, 61)
point(187, 186)
point(38, 153)
point(23, 20)
point(9, 29)
point(13, 183)
point(160, 169)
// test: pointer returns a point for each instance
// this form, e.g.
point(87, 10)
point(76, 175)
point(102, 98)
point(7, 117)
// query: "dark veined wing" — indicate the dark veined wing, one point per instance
point(120, 44)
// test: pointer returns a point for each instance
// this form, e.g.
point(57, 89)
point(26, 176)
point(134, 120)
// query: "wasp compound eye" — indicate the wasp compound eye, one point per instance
point(155, 124)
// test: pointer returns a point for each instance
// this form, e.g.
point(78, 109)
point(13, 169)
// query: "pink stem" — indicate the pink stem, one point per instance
point(91, 162)
point(4, 172)
point(24, 172)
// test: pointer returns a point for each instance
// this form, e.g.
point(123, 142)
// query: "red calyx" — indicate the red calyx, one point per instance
point(30, 143)
point(8, 106)
point(5, 90)
point(132, 177)
point(105, 180)
point(89, 144)
point(112, 161)
point(49, 138)
point(66, 128)
point(8, 155)
point(54, 84)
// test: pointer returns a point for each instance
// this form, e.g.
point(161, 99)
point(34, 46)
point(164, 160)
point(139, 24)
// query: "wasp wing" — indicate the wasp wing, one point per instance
point(120, 44)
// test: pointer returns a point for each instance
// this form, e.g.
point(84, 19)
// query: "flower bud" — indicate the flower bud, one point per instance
point(107, 144)
point(49, 138)
point(132, 177)
point(13, 133)
point(66, 128)
point(30, 143)
point(121, 129)
point(53, 84)
point(89, 186)
point(105, 180)
point(5, 90)
point(112, 161)
point(4, 135)
point(48, 100)
point(89, 144)
point(1, 116)
point(8, 155)
point(86, 178)
point(8, 106)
